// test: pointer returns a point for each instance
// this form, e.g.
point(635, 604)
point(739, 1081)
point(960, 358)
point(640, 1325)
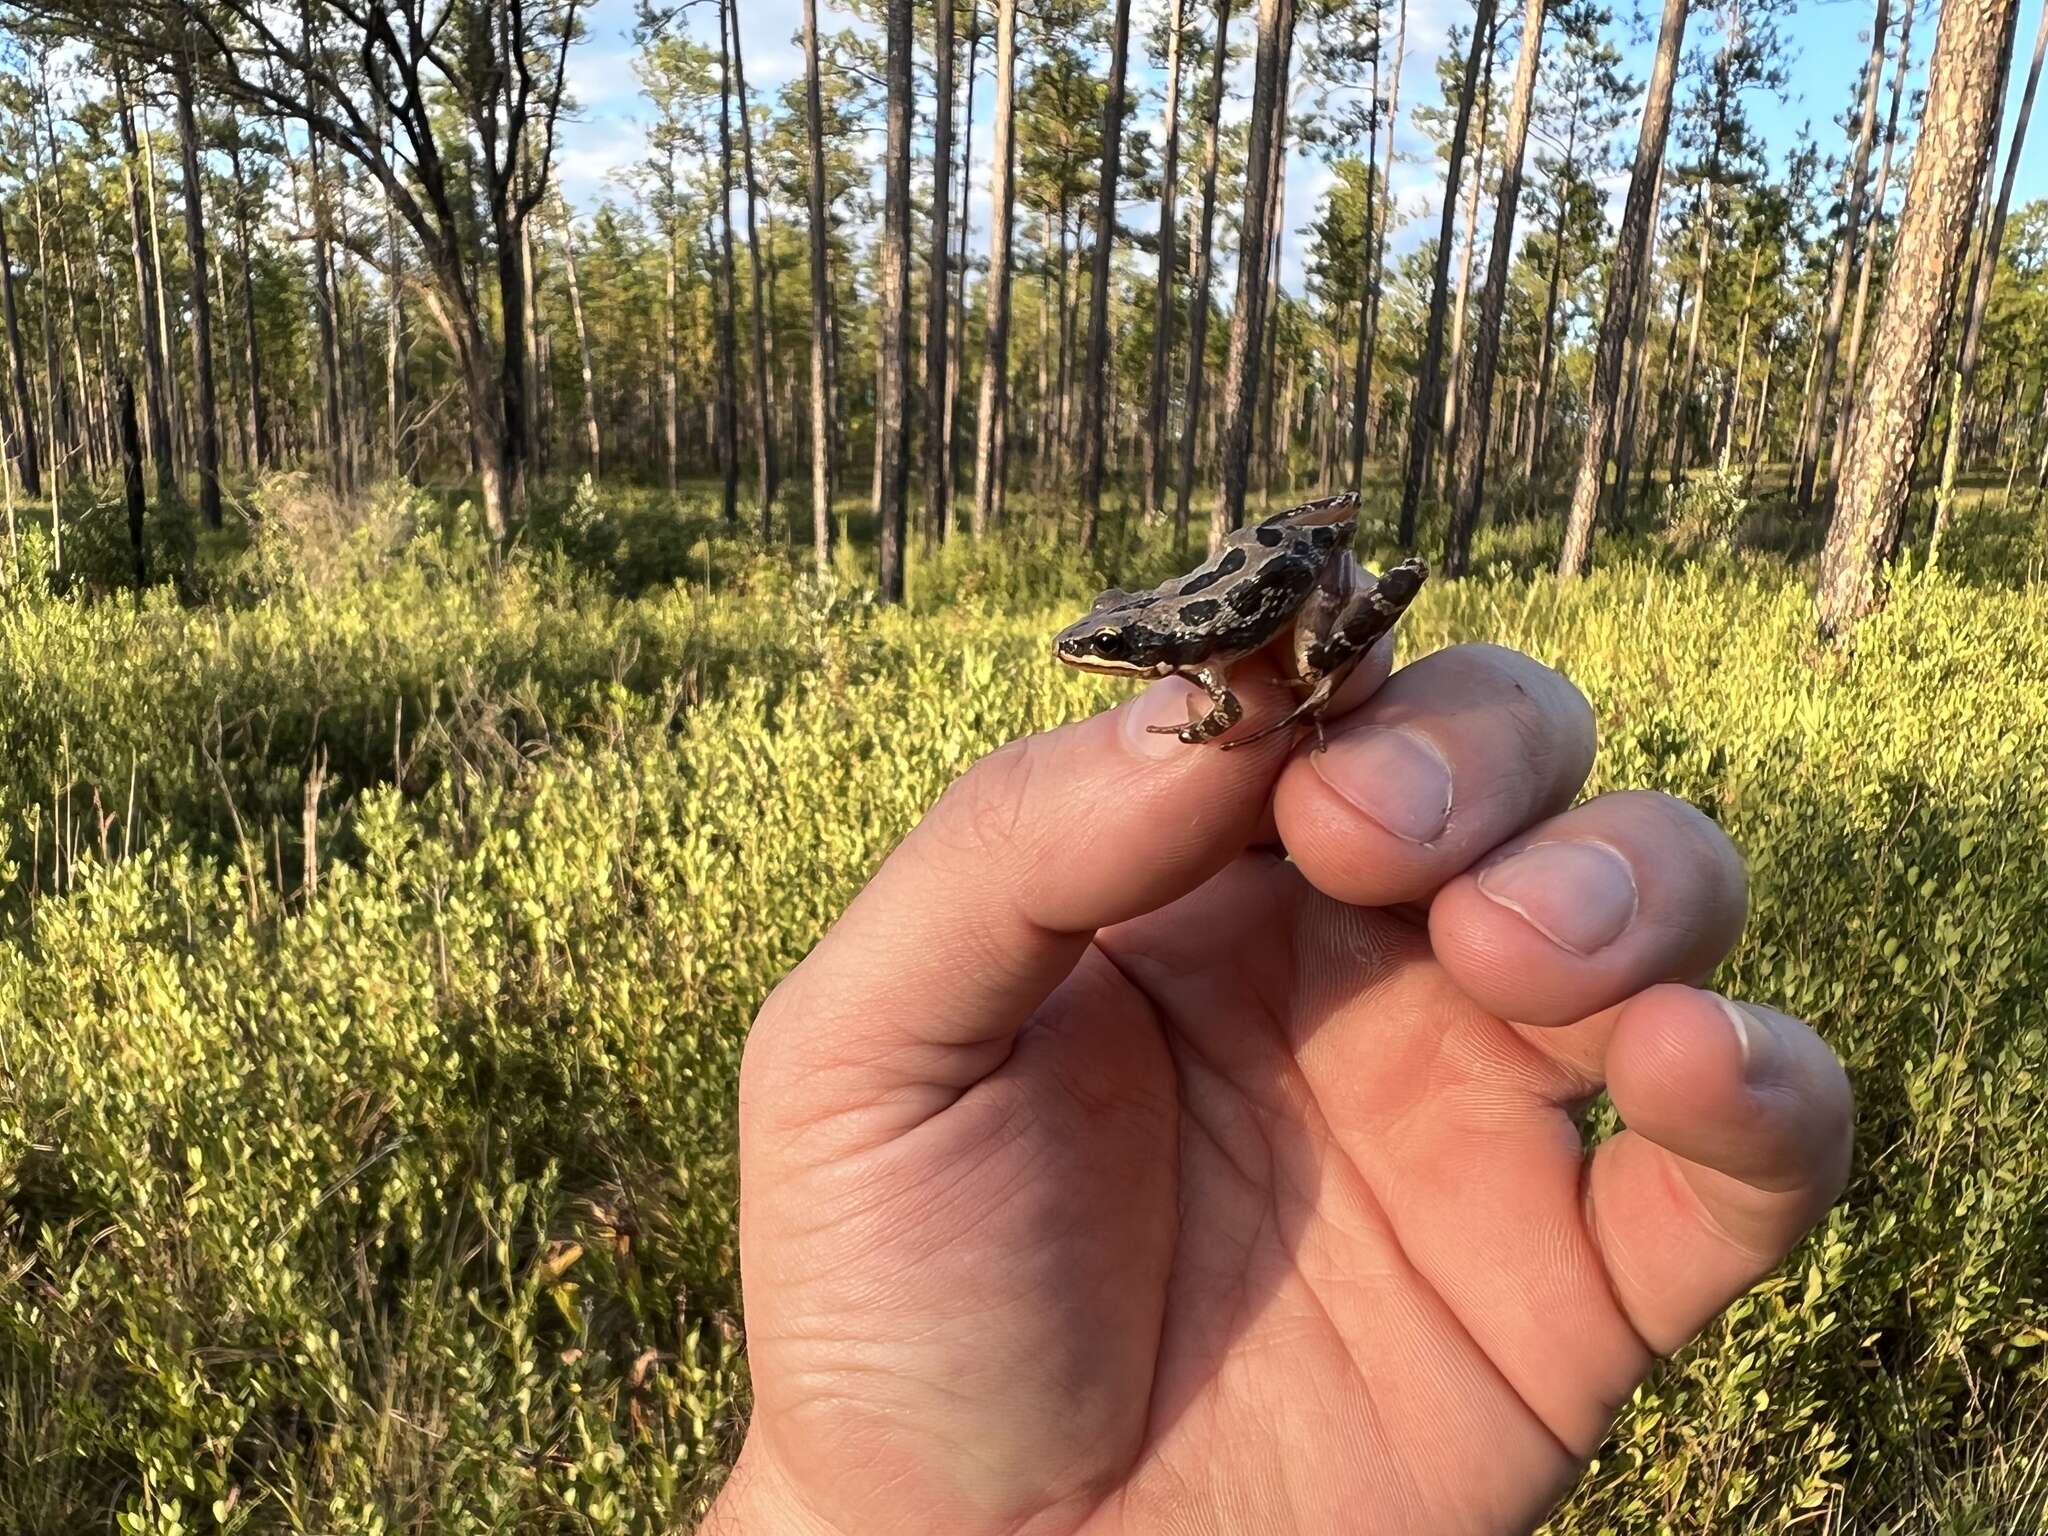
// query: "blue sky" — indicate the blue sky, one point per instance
point(1826, 46)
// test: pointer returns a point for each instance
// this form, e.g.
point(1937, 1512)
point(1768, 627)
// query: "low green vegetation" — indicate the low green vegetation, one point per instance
point(381, 919)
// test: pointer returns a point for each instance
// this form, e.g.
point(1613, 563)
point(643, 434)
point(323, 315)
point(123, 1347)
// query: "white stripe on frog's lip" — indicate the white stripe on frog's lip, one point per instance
point(1114, 668)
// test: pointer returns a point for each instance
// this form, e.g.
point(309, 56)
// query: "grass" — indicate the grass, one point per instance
point(383, 916)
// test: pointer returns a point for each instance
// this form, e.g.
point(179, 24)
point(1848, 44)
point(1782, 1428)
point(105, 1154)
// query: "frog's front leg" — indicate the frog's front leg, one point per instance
point(1225, 709)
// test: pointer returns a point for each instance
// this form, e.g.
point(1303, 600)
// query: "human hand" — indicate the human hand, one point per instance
point(1105, 1171)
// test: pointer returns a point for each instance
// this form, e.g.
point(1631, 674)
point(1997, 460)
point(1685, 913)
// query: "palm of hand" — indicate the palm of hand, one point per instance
point(1256, 1221)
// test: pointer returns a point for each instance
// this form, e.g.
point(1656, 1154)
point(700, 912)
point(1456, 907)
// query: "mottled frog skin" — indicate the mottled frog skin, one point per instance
point(1293, 570)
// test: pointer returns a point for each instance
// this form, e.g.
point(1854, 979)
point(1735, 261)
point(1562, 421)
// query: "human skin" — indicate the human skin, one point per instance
point(1177, 1140)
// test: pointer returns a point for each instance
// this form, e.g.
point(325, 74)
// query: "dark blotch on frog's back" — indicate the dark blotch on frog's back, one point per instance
point(1270, 536)
point(1231, 562)
point(1200, 611)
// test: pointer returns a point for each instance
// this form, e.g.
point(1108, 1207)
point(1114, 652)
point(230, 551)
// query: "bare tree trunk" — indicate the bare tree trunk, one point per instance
point(1454, 374)
point(590, 430)
point(1425, 420)
point(891, 416)
point(727, 300)
point(992, 429)
point(149, 311)
point(27, 458)
point(1546, 356)
point(1247, 324)
point(1471, 481)
point(1198, 284)
point(821, 303)
point(1162, 313)
point(766, 469)
point(1854, 367)
point(938, 459)
point(1630, 258)
point(1093, 422)
point(1958, 127)
point(131, 481)
point(1845, 261)
point(956, 360)
point(1379, 262)
point(1980, 300)
point(259, 419)
point(1368, 286)
point(202, 300)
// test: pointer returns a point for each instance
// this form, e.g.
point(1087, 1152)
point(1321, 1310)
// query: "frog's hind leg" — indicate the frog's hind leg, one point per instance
point(1310, 709)
point(1225, 709)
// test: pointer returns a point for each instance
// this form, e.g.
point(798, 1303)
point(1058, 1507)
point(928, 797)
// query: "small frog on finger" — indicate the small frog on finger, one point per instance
point(1295, 569)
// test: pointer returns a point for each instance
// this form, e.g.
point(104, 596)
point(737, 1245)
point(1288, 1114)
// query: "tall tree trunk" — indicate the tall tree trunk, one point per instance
point(1546, 351)
point(1957, 130)
point(992, 426)
point(1980, 299)
point(821, 303)
point(201, 299)
point(1425, 420)
point(728, 297)
point(1093, 423)
point(1682, 395)
point(892, 420)
point(956, 360)
point(1471, 478)
point(1845, 261)
point(1853, 369)
point(1198, 283)
point(1162, 312)
point(1247, 324)
point(764, 416)
point(1368, 283)
point(1454, 374)
point(149, 312)
point(131, 482)
point(938, 458)
point(1379, 263)
point(27, 456)
point(259, 414)
point(153, 200)
point(590, 429)
point(1630, 258)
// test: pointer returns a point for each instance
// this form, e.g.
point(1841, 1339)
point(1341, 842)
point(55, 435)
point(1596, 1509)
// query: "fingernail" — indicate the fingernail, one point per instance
point(1167, 703)
point(1580, 896)
point(1394, 777)
point(1755, 1038)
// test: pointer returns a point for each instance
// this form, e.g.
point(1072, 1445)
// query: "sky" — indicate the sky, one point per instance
point(1827, 44)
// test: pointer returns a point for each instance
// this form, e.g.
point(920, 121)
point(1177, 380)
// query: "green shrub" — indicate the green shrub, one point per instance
point(383, 934)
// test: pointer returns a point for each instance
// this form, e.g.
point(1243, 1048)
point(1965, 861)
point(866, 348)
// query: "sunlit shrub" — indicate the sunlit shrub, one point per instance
point(377, 954)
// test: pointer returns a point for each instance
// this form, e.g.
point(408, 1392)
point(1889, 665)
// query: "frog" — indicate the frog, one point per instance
point(1295, 568)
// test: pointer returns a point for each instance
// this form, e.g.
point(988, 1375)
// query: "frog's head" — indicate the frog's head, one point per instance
point(1101, 642)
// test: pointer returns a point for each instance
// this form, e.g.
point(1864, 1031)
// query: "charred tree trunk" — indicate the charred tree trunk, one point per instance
point(131, 481)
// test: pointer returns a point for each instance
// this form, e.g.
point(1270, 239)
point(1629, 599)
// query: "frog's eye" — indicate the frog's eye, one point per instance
point(1109, 642)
